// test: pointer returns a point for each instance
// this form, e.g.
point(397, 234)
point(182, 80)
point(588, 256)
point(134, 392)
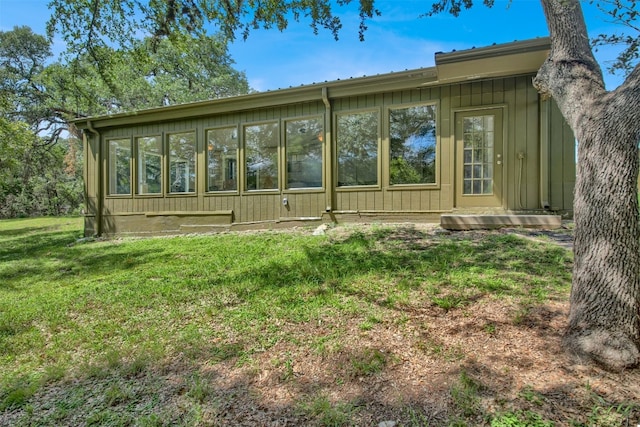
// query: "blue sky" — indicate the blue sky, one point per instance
point(395, 41)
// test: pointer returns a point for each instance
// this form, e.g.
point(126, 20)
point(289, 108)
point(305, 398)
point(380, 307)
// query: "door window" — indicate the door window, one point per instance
point(478, 146)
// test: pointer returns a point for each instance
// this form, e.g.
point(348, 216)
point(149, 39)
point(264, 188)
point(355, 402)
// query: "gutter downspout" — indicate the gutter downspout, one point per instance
point(545, 117)
point(99, 191)
point(328, 170)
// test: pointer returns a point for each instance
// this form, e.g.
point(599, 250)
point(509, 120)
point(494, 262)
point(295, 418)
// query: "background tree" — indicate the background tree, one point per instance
point(40, 155)
point(192, 69)
point(15, 139)
point(604, 323)
point(412, 140)
point(33, 179)
point(149, 74)
point(23, 57)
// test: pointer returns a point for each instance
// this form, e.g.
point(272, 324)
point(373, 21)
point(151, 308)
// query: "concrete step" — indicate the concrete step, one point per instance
point(479, 222)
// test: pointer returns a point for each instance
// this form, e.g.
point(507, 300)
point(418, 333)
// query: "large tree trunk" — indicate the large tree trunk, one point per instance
point(604, 318)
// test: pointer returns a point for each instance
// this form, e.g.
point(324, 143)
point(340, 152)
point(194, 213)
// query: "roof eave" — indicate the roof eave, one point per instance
point(510, 59)
point(513, 48)
point(306, 93)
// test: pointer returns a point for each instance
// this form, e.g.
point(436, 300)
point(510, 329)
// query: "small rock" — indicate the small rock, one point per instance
point(320, 231)
point(387, 424)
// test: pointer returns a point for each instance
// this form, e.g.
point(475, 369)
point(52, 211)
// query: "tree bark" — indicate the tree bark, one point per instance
point(604, 317)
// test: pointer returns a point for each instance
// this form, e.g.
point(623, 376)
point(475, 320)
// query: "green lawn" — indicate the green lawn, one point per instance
point(91, 332)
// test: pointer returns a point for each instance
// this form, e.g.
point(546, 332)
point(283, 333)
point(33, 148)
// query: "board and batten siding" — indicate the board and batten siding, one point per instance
point(524, 182)
point(246, 206)
point(562, 161)
point(521, 186)
point(91, 183)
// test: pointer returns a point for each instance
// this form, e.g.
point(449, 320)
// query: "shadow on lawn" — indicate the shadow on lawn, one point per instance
point(23, 231)
point(52, 256)
point(222, 393)
point(32, 243)
point(409, 259)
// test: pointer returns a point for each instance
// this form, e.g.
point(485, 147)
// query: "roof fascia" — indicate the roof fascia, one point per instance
point(202, 108)
point(511, 59)
point(518, 47)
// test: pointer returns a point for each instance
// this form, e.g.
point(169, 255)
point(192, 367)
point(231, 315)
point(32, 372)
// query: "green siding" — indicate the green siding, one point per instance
point(522, 121)
point(562, 156)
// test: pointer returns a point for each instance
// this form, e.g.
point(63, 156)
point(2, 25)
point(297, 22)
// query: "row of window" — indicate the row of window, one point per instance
point(412, 137)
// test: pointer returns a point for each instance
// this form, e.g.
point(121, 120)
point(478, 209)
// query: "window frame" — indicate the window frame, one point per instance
point(437, 170)
point(238, 161)
point(108, 181)
point(167, 155)
point(137, 164)
point(379, 151)
point(244, 171)
point(285, 161)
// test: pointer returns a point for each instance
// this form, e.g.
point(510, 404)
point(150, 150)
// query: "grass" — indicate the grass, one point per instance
point(465, 394)
point(133, 331)
point(321, 411)
point(520, 419)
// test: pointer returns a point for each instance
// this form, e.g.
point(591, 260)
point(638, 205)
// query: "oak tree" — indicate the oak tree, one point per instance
point(604, 318)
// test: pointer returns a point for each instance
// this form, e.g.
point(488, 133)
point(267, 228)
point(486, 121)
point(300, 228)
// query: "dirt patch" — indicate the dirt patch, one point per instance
point(512, 354)
point(418, 358)
point(407, 370)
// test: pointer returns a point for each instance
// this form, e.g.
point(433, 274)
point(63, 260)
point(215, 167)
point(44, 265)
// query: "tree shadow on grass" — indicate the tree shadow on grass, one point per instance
point(376, 265)
point(54, 273)
point(24, 231)
point(222, 392)
point(200, 397)
point(29, 245)
point(50, 257)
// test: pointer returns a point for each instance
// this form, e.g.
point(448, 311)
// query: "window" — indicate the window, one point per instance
point(304, 153)
point(182, 162)
point(120, 166)
point(149, 165)
point(412, 139)
point(478, 136)
point(357, 140)
point(261, 152)
point(222, 159)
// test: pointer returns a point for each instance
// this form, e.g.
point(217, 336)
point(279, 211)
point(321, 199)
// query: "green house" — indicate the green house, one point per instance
point(470, 135)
